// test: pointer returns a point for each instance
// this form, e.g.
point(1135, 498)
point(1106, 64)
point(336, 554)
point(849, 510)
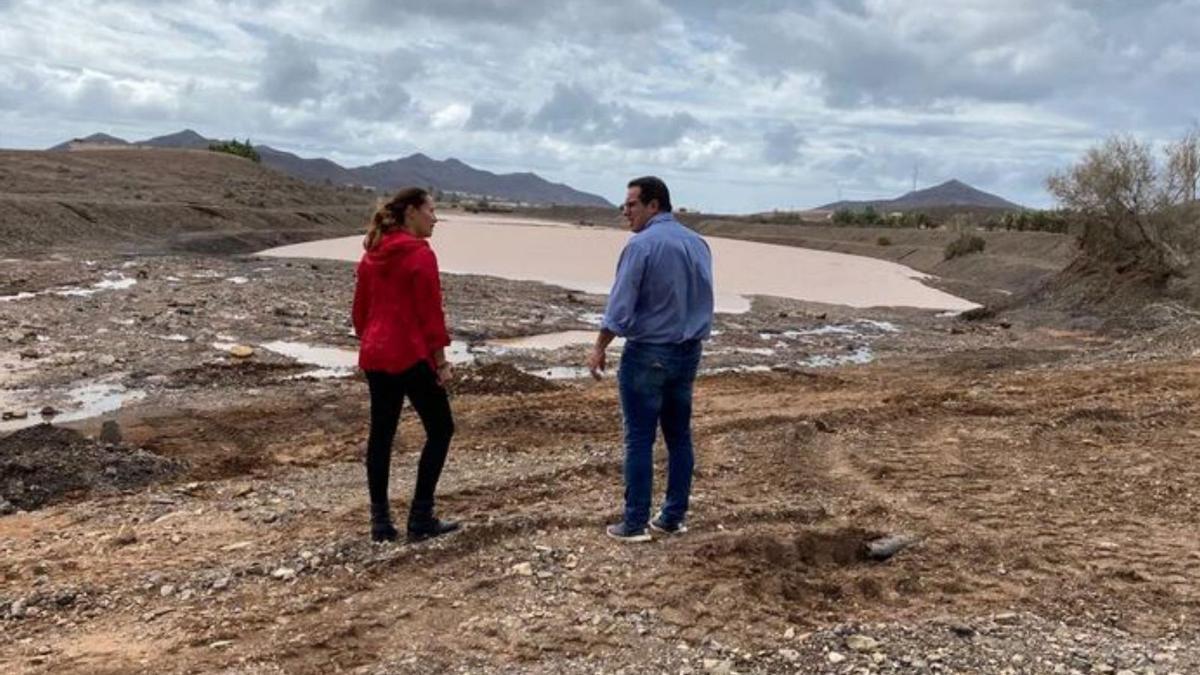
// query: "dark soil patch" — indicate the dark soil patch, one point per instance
point(500, 378)
point(44, 464)
point(999, 358)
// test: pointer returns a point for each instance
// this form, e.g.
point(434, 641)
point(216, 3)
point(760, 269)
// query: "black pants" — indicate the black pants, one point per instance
point(388, 390)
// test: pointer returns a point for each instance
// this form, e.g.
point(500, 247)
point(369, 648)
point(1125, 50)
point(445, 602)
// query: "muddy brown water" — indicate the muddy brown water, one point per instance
point(584, 258)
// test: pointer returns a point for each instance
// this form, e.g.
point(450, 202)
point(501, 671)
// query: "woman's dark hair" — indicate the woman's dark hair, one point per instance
point(389, 215)
point(652, 187)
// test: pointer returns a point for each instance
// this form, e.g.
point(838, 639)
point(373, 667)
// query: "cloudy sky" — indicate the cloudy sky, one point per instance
point(741, 106)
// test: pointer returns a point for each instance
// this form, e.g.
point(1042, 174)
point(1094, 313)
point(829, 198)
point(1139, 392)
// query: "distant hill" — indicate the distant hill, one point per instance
point(182, 139)
point(450, 175)
point(950, 193)
point(93, 140)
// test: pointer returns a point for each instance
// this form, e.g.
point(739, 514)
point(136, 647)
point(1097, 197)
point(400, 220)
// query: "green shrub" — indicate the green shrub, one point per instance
point(238, 148)
point(963, 245)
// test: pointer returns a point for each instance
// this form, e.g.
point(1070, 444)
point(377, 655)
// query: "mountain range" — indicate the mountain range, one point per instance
point(449, 175)
point(950, 193)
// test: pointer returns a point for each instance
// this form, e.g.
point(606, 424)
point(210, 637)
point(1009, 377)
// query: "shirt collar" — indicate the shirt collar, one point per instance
point(657, 218)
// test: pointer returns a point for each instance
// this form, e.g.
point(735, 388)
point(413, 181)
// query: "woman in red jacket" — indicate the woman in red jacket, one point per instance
point(402, 331)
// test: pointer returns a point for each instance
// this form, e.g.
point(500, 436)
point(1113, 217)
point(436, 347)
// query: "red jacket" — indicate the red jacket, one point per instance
point(397, 310)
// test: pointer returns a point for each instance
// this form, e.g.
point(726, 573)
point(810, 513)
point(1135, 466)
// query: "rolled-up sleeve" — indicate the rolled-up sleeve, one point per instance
point(620, 312)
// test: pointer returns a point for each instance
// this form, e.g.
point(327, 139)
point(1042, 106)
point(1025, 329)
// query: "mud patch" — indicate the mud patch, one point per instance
point(246, 373)
point(500, 378)
point(44, 464)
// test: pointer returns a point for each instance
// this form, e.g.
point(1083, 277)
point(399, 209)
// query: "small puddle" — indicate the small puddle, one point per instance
point(330, 361)
point(565, 338)
point(338, 361)
point(83, 401)
point(859, 356)
point(112, 281)
point(560, 372)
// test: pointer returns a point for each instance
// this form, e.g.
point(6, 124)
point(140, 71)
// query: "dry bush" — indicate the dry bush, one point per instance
point(963, 245)
point(1133, 210)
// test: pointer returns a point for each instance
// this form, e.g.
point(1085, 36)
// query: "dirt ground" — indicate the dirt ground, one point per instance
point(1043, 472)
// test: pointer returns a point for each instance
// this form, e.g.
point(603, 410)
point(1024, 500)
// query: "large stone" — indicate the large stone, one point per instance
point(284, 574)
point(241, 351)
point(110, 432)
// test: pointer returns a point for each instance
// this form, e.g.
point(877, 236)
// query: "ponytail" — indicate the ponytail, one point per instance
point(389, 215)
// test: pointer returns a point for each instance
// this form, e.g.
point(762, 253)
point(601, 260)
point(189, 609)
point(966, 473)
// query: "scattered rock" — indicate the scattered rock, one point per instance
point(524, 569)
point(835, 657)
point(886, 547)
point(861, 643)
point(241, 351)
point(124, 537)
point(284, 574)
point(718, 667)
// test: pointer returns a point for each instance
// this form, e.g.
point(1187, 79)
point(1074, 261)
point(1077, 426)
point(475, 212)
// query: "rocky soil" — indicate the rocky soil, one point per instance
point(1046, 479)
point(196, 502)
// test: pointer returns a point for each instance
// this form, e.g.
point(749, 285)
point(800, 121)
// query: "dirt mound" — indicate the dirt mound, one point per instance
point(500, 378)
point(44, 464)
point(810, 548)
point(814, 571)
point(157, 200)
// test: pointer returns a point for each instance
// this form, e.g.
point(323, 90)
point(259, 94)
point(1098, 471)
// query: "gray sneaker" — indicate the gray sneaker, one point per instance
point(660, 525)
point(623, 532)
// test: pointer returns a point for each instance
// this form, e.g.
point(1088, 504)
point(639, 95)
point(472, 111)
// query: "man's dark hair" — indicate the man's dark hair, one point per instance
point(652, 187)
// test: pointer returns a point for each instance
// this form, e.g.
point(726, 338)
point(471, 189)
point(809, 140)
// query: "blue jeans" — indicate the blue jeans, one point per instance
point(655, 382)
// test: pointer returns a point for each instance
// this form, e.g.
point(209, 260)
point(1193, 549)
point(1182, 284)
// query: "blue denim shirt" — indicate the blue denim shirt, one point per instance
point(663, 292)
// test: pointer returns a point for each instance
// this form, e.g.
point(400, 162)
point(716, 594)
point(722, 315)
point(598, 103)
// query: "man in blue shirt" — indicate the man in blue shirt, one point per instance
point(662, 304)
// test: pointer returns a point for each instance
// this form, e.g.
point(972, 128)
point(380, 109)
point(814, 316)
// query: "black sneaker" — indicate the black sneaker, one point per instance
point(660, 525)
point(622, 532)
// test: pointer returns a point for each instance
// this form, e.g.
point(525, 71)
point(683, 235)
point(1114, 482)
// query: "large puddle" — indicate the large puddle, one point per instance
point(585, 258)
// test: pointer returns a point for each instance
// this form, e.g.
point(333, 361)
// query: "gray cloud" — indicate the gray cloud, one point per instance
point(786, 98)
point(574, 112)
point(289, 73)
point(782, 144)
point(495, 116)
point(377, 93)
point(383, 101)
point(611, 16)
